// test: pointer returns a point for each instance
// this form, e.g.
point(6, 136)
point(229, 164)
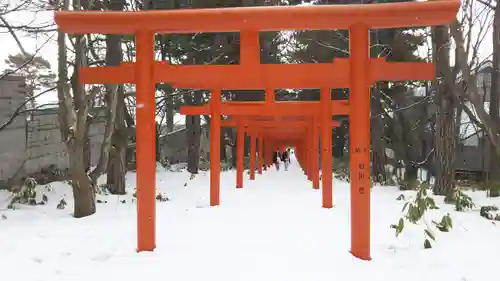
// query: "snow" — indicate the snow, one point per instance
point(272, 229)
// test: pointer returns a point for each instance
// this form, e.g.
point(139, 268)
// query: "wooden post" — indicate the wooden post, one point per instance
point(240, 143)
point(359, 140)
point(269, 96)
point(265, 152)
point(215, 103)
point(309, 138)
point(252, 156)
point(315, 155)
point(326, 148)
point(260, 139)
point(146, 138)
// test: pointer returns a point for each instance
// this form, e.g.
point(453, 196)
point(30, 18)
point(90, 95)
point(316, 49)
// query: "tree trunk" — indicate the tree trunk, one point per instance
point(461, 58)
point(117, 167)
point(445, 119)
point(193, 130)
point(234, 150)
point(73, 118)
point(87, 151)
point(83, 190)
point(494, 169)
point(170, 109)
point(167, 89)
point(339, 140)
point(223, 156)
point(378, 142)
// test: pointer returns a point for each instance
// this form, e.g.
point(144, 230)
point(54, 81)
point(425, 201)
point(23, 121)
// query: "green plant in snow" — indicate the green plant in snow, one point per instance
point(340, 169)
point(414, 212)
point(162, 197)
point(462, 201)
point(25, 194)
point(165, 163)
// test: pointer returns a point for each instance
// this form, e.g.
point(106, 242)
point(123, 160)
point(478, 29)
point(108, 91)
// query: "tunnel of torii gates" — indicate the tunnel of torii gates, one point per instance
point(357, 73)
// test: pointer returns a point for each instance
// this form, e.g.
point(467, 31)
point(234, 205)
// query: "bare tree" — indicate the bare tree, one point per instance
point(446, 106)
point(117, 162)
point(74, 105)
point(466, 57)
point(494, 173)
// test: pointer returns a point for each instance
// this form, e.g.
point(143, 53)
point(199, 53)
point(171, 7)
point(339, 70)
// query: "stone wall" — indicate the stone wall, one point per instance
point(34, 139)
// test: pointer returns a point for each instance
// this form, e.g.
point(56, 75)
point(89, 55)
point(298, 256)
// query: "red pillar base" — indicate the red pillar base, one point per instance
point(361, 257)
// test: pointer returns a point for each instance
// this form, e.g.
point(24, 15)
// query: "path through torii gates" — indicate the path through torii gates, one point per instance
point(276, 134)
point(357, 73)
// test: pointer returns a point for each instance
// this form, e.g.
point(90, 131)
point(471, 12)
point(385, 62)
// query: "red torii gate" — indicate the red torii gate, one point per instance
point(356, 76)
point(266, 108)
point(283, 129)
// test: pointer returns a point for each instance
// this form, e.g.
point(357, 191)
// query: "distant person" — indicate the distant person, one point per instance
point(276, 157)
point(285, 157)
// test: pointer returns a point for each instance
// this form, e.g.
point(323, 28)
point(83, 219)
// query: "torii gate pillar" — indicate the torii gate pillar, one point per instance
point(146, 147)
point(359, 141)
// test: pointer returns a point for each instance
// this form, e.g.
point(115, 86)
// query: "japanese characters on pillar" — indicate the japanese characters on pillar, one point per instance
point(362, 175)
point(359, 139)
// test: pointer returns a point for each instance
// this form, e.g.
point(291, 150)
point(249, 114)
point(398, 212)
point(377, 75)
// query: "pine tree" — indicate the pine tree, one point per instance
point(35, 69)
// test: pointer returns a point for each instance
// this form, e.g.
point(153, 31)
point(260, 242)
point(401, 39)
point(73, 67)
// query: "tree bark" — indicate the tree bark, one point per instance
point(494, 169)
point(193, 130)
point(222, 142)
point(234, 150)
point(170, 109)
point(83, 190)
point(73, 129)
point(339, 140)
point(117, 168)
point(461, 58)
point(378, 142)
point(445, 119)
point(73, 118)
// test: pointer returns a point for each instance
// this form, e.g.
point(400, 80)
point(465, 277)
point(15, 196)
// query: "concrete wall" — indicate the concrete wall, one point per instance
point(13, 138)
point(45, 146)
point(173, 146)
point(34, 139)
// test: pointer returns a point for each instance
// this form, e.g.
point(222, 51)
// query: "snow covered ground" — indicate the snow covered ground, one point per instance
point(273, 229)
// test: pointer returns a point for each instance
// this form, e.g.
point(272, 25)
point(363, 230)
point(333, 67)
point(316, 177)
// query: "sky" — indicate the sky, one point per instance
point(46, 42)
